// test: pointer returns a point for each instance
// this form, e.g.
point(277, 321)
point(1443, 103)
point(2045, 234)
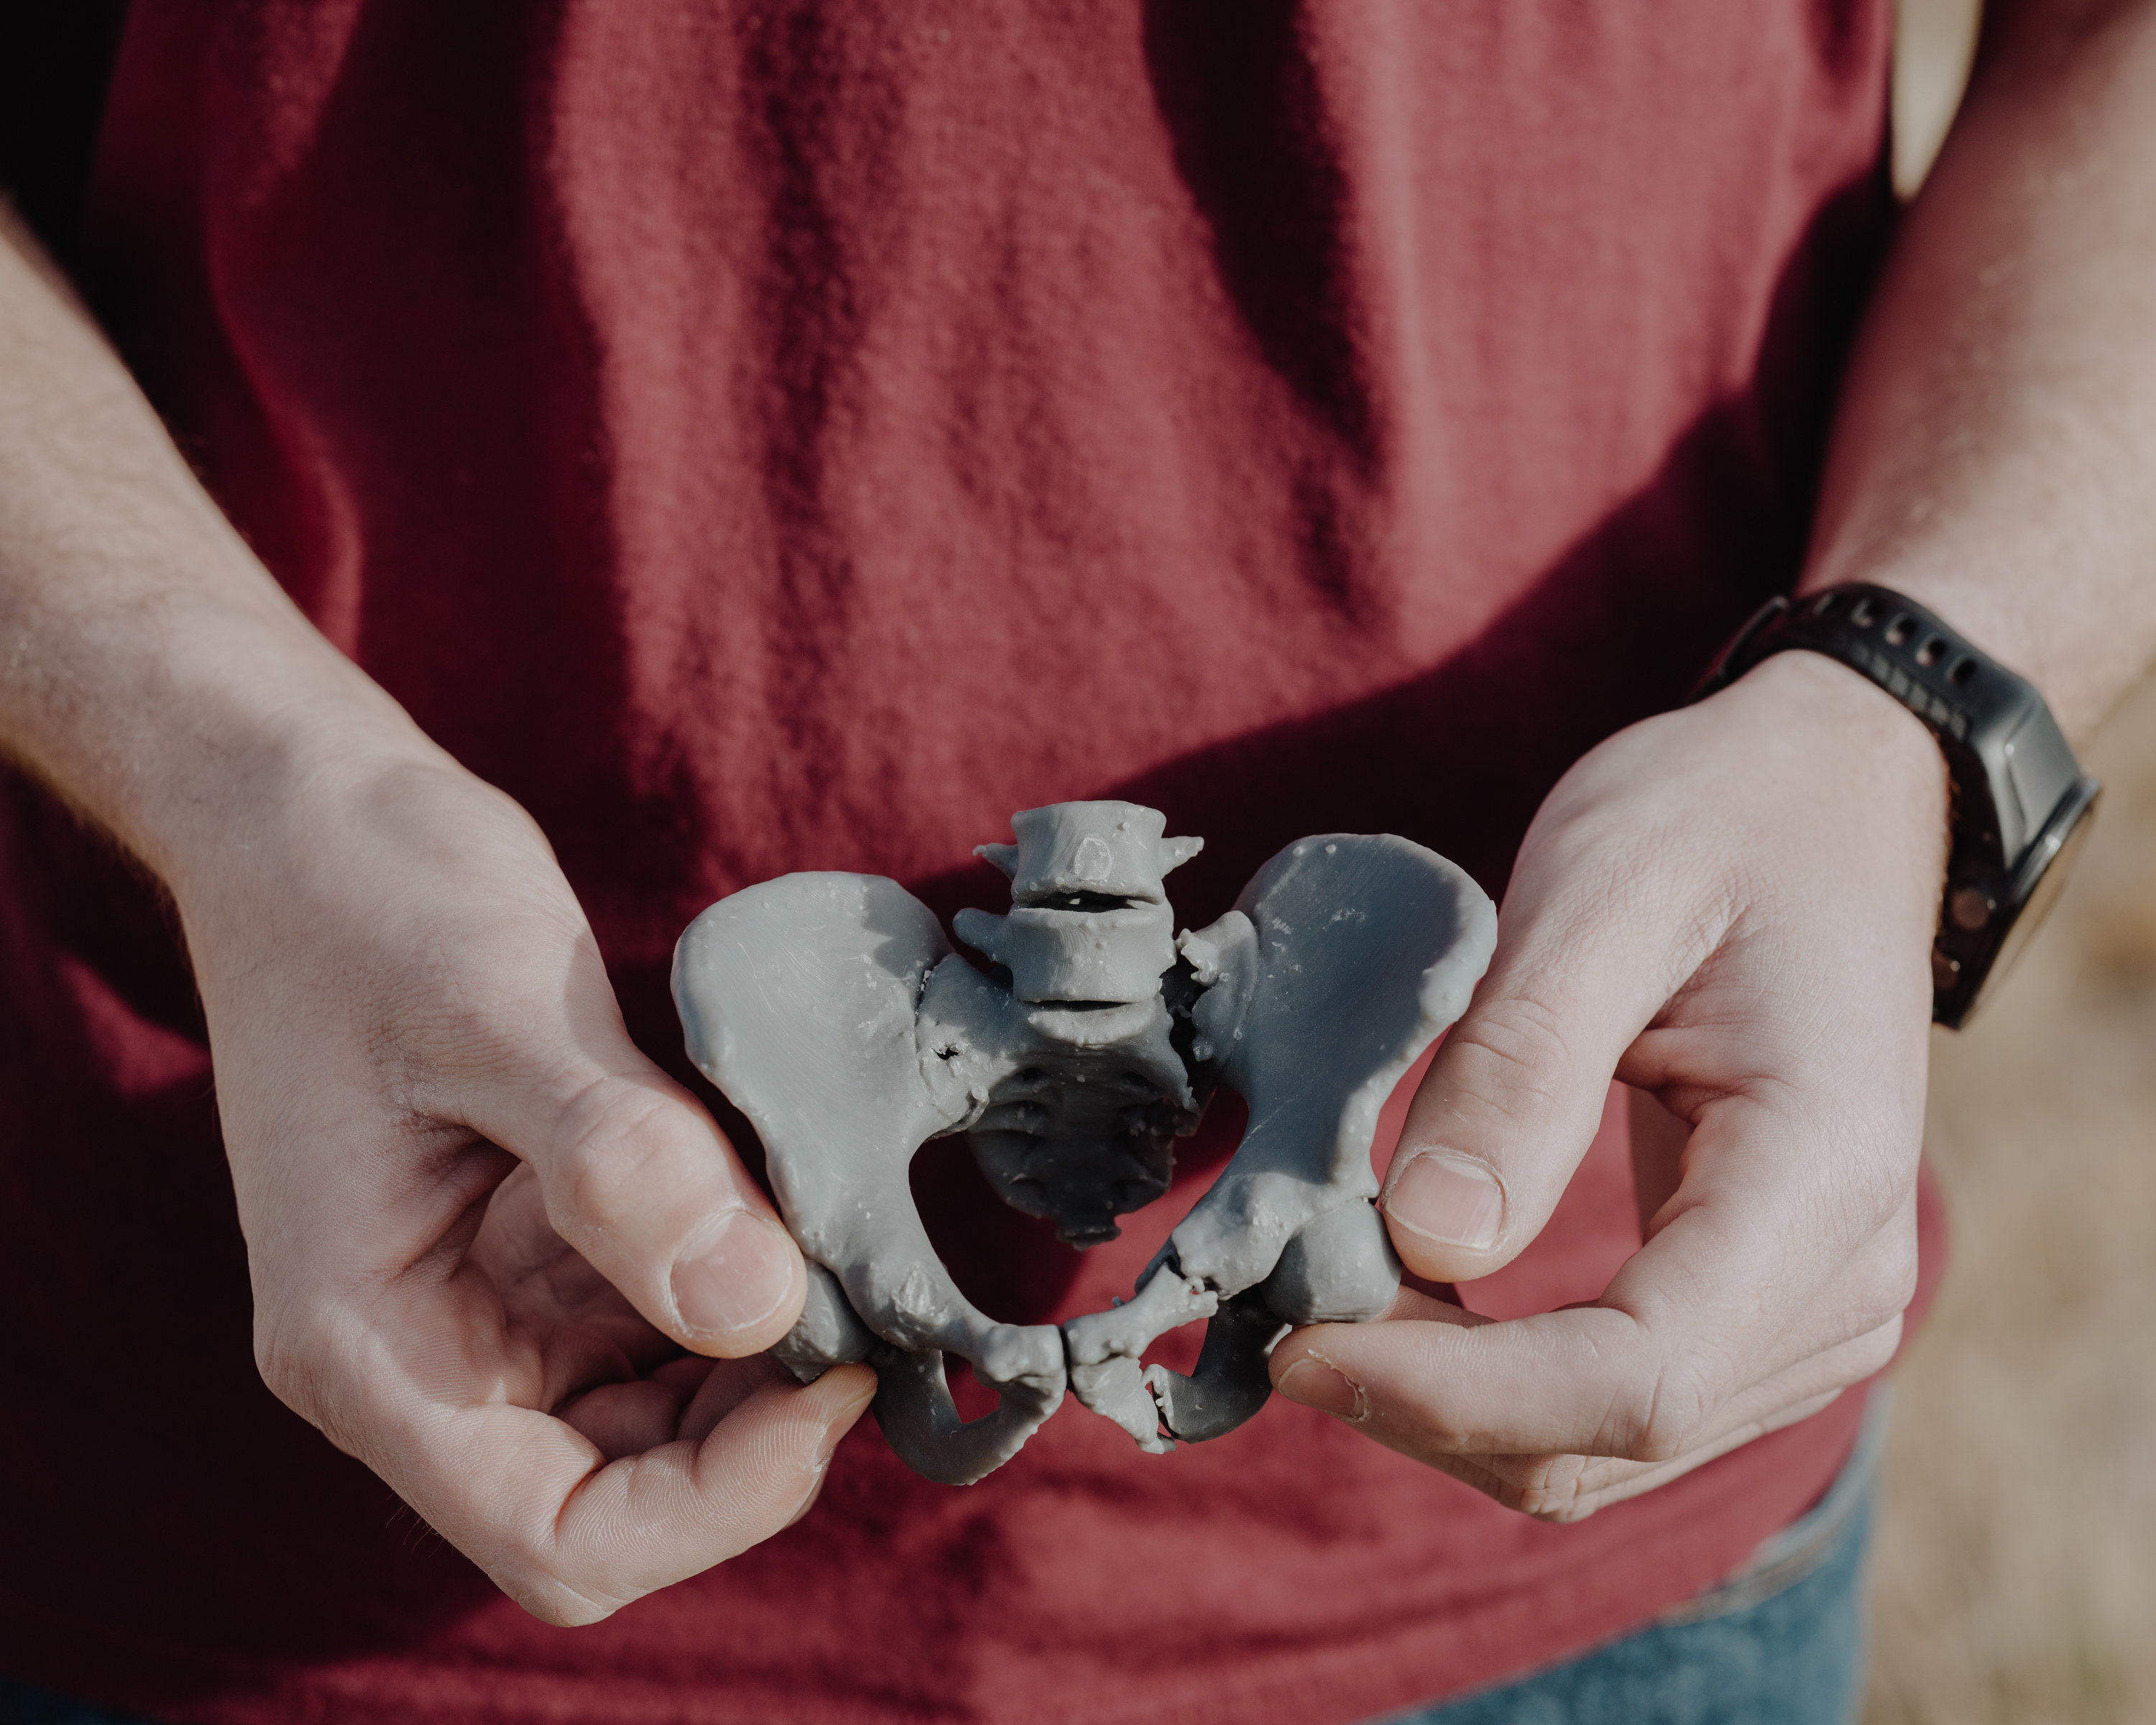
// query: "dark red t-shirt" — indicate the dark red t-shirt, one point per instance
point(764, 436)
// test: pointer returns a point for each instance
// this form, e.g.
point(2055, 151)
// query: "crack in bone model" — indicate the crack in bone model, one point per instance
point(830, 1009)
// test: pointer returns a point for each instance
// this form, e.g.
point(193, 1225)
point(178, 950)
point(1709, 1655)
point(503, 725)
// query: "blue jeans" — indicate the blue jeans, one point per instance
point(1779, 1643)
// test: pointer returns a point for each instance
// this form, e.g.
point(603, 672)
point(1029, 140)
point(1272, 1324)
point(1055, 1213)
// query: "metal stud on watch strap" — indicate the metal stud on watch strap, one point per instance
point(2021, 802)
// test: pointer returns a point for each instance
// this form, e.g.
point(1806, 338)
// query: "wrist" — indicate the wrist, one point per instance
point(2020, 802)
point(2082, 656)
point(1855, 723)
point(209, 725)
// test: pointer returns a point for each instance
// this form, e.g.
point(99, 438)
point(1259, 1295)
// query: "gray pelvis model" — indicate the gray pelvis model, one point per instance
point(829, 1009)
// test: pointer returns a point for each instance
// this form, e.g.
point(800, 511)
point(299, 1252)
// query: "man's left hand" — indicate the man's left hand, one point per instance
point(1730, 908)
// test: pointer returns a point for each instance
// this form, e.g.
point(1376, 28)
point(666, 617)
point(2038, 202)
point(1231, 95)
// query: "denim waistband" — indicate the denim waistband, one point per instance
point(1784, 1559)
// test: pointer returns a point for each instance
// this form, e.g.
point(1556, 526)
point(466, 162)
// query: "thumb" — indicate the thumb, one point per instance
point(1513, 1097)
point(638, 1178)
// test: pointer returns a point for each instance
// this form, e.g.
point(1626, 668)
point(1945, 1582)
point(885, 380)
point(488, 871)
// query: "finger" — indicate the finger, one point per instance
point(809, 1502)
point(546, 1283)
point(625, 1419)
point(637, 1177)
point(571, 1535)
point(1600, 1380)
point(726, 1385)
point(1594, 1482)
point(687, 1374)
point(1570, 1488)
point(1791, 1231)
point(1419, 1304)
point(687, 1399)
point(1658, 1139)
point(1587, 952)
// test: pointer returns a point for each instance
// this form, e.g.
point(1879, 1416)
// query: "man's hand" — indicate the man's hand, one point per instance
point(1730, 908)
point(481, 1225)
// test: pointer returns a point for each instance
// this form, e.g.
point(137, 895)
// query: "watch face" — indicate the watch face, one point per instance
point(2062, 841)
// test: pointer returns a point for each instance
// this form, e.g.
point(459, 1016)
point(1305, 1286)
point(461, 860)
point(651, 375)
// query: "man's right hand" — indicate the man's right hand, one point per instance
point(481, 1225)
point(478, 1220)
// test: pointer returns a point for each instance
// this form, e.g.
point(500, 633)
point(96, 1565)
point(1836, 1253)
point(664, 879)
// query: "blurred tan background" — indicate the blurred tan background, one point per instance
point(2015, 1574)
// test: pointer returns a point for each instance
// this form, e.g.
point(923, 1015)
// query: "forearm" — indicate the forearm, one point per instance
point(155, 674)
point(1994, 457)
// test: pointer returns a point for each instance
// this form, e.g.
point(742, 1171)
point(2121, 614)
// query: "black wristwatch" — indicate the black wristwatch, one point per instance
point(2020, 802)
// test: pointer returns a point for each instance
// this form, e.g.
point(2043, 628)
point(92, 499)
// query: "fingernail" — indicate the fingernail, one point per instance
point(1319, 1384)
point(1449, 1198)
point(737, 1278)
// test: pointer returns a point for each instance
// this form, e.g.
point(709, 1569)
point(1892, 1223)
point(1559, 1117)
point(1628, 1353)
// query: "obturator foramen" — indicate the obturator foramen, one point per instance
point(832, 1012)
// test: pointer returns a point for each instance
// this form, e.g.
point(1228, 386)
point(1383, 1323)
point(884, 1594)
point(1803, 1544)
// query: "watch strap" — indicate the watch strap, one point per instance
point(2013, 777)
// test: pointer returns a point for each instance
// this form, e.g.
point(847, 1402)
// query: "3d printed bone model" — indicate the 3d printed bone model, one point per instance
point(832, 1012)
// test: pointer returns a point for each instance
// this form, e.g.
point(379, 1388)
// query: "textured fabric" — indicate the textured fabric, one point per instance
point(766, 436)
point(1789, 1652)
point(1794, 1658)
point(1781, 1643)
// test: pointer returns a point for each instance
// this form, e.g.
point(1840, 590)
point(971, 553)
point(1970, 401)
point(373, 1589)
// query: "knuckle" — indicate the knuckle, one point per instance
point(1515, 1052)
point(615, 1163)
